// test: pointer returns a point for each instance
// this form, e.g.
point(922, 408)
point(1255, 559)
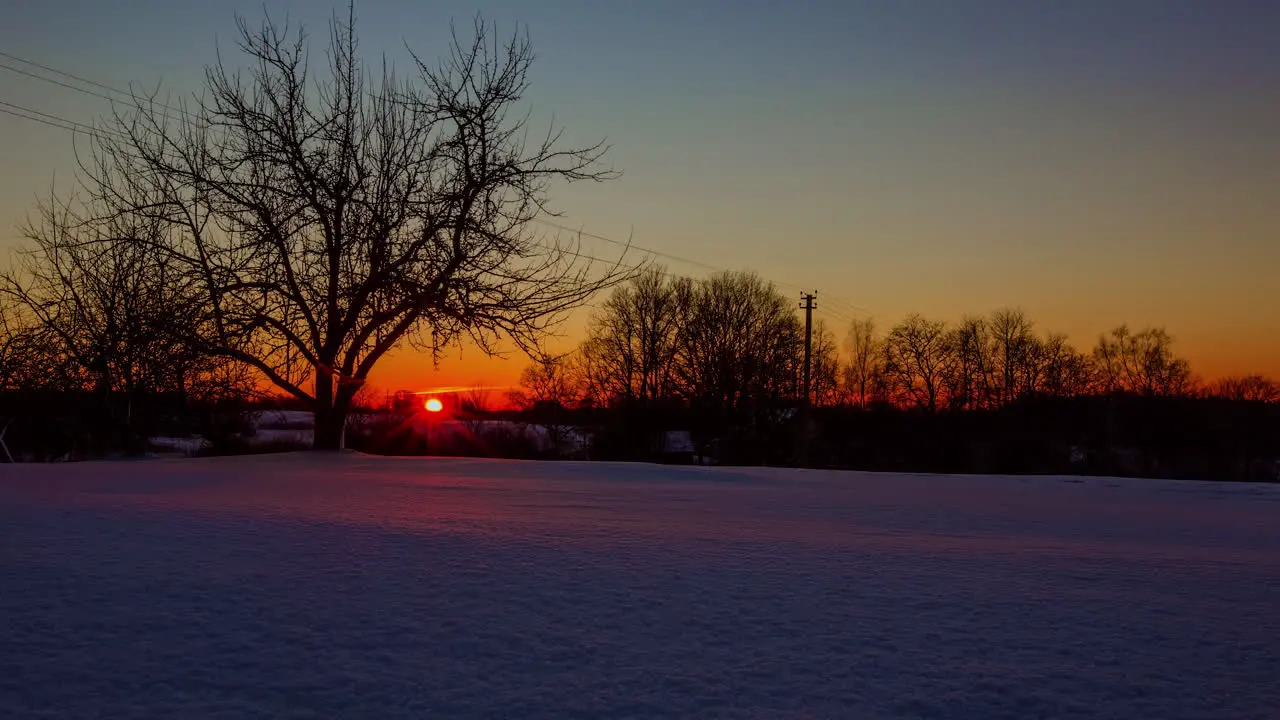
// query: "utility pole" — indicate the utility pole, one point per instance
point(809, 307)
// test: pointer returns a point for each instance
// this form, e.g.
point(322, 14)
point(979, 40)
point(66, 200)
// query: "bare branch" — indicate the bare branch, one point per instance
point(324, 214)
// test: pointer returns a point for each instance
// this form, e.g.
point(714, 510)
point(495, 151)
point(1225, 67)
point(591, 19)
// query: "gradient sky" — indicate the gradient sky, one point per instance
point(1091, 162)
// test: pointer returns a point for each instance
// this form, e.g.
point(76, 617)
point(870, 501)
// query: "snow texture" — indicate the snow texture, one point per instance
point(298, 586)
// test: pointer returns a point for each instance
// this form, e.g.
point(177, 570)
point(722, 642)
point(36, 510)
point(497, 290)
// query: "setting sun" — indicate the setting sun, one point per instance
point(434, 405)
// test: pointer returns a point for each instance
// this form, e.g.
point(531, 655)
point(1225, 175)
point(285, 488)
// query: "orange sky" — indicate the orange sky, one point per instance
point(462, 367)
point(1225, 349)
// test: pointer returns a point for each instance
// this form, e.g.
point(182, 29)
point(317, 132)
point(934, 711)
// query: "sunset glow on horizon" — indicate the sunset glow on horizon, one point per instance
point(680, 357)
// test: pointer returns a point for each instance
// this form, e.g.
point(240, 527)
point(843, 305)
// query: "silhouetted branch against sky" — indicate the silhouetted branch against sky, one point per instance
point(328, 212)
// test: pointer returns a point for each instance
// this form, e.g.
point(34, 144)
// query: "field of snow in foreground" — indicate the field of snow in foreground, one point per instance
point(358, 587)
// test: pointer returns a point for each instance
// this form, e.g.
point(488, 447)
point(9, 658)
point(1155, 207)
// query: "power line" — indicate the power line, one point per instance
point(50, 123)
point(54, 120)
point(658, 253)
point(132, 100)
point(850, 308)
point(574, 253)
point(839, 315)
point(843, 308)
point(63, 73)
point(86, 91)
point(62, 123)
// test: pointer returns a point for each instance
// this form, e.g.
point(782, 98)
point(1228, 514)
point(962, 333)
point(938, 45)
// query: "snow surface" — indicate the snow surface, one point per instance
point(297, 586)
point(184, 446)
point(285, 419)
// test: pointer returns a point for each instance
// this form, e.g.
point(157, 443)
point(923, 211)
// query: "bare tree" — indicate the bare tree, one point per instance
point(1248, 388)
point(548, 382)
point(24, 357)
point(1014, 349)
point(739, 344)
point(631, 342)
point(476, 400)
point(547, 388)
point(1142, 363)
point(1066, 371)
point(825, 375)
point(325, 217)
point(918, 361)
point(596, 371)
point(116, 310)
point(865, 369)
point(969, 384)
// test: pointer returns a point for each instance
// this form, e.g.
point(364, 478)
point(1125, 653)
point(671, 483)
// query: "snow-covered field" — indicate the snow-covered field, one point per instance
point(358, 587)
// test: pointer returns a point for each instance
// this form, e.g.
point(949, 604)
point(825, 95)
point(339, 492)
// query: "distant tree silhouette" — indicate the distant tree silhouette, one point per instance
point(826, 371)
point(1015, 355)
point(1247, 388)
point(863, 375)
point(547, 382)
point(1015, 400)
point(999, 359)
point(16, 343)
point(973, 378)
point(115, 311)
point(739, 344)
point(1141, 363)
point(629, 353)
point(1066, 371)
point(918, 361)
point(324, 218)
point(726, 341)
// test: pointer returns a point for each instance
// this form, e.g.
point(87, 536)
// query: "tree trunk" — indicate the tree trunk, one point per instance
point(330, 414)
point(330, 422)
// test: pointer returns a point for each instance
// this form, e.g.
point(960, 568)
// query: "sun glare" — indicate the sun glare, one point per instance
point(433, 405)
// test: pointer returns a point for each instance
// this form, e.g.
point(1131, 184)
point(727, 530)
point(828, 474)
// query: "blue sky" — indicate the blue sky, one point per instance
point(1092, 162)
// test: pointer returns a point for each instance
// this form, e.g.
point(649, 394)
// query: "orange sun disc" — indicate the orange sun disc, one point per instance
point(434, 405)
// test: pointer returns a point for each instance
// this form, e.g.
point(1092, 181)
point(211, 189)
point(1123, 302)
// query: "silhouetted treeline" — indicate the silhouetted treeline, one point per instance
point(89, 365)
point(671, 370)
point(719, 361)
point(1185, 437)
point(1125, 435)
point(50, 425)
point(731, 342)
